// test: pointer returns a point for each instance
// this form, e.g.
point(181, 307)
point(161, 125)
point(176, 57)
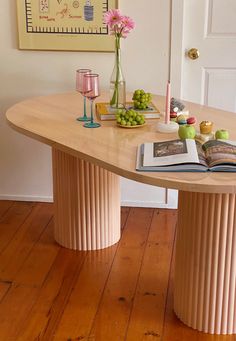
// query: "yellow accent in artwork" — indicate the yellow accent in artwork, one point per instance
point(64, 25)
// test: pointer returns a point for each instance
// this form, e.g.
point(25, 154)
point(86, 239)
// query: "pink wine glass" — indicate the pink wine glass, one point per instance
point(91, 90)
point(79, 87)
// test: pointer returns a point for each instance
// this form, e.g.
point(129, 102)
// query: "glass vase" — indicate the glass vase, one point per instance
point(117, 81)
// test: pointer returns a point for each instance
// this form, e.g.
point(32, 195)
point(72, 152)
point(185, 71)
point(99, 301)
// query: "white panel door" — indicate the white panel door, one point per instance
point(209, 26)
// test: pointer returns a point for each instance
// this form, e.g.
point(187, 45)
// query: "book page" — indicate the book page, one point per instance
point(201, 154)
point(170, 153)
point(220, 152)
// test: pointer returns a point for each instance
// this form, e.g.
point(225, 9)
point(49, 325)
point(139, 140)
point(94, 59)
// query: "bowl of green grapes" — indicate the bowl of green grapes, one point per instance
point(141, 99)
point(129, 118)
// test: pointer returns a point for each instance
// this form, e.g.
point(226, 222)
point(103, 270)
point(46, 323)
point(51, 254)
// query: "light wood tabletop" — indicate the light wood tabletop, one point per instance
point(52, 120)
point(86, 168)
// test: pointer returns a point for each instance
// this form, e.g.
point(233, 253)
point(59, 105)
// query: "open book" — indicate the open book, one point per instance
point(187, 156)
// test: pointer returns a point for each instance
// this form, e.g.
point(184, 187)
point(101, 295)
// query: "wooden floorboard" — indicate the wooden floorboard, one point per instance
point(123, 293)
point(12, 220)
point(14, 308)
point(37, 265)
point(53, 296)
point(114, 310)
point(147, 316)
point(4, 287)
point(4, 206)
point(14, 255)
point(81, 309)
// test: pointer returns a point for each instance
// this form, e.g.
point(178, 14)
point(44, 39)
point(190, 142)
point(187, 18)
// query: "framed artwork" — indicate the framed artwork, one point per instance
point(69, 25)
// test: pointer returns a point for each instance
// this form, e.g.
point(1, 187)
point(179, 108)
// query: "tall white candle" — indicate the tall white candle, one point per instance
point(167, 114)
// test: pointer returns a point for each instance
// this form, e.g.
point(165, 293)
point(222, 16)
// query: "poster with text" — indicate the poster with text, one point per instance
point(69, 25)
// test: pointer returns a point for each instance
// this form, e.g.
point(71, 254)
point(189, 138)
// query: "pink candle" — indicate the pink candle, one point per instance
point(167, 114)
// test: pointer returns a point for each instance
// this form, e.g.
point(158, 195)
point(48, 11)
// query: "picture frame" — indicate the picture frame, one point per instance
point(68, 25)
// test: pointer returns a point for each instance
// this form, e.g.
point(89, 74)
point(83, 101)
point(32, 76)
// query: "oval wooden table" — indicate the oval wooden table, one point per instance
point(87, 164)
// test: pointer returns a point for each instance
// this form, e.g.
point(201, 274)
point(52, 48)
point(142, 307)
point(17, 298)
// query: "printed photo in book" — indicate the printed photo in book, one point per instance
point(187, 156)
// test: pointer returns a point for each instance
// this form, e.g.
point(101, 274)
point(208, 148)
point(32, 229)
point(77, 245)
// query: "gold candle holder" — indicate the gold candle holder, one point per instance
point(206, 127)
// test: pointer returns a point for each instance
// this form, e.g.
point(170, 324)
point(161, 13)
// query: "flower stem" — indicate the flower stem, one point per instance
point(115, 97)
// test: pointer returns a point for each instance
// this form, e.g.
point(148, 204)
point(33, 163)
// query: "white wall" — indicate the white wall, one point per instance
point(25, 165)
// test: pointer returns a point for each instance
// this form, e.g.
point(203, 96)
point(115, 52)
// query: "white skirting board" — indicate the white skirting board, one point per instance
point(31, 198)
point(133, 194)
point(171, 201)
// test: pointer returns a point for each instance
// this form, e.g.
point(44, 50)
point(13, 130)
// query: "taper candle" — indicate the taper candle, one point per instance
point(167, 114)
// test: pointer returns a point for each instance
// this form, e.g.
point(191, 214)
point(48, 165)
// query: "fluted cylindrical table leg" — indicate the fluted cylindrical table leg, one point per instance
point(87, 203)
point(205, 268)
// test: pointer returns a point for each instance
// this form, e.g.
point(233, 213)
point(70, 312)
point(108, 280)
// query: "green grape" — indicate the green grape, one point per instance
point(141, 99)
point(129, 117)
point(119, 111)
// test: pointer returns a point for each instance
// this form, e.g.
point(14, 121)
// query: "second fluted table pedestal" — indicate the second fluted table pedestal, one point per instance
point(205, 264)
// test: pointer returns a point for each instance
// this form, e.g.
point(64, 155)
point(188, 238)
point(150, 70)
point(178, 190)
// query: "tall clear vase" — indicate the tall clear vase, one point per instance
point(117, 81)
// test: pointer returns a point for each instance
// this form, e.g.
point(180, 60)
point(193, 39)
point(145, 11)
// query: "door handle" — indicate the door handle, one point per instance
point(193, 53)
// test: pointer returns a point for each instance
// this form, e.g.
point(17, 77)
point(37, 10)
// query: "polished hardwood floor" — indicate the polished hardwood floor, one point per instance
point(121, 293)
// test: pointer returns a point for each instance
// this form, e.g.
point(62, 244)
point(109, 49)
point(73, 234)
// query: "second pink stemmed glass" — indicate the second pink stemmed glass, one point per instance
point(91, 90)
point(80, 88)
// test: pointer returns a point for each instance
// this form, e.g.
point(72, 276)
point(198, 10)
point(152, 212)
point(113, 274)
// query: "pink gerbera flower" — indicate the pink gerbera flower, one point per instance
point(128, 23)
point(124, 33)
point(113, 17)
